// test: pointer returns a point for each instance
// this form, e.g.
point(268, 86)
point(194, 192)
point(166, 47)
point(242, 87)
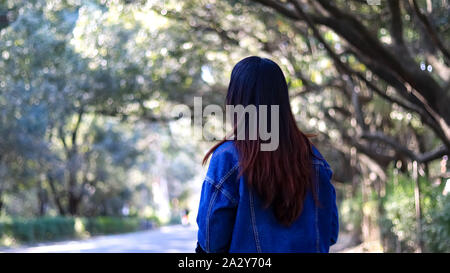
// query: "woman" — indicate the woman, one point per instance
point(266, 201)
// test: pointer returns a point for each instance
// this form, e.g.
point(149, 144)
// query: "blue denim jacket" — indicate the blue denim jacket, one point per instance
point(232, 219)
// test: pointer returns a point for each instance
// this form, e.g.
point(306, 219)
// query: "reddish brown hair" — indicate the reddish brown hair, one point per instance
point(282, 177)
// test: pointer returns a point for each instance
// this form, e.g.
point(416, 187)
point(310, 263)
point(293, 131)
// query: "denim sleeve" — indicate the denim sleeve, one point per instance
point(218, 204)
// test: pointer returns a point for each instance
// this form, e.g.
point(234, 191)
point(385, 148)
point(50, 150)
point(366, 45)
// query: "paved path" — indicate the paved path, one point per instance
point(165, 239)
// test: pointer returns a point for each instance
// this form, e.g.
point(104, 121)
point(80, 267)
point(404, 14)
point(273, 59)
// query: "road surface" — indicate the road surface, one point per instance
point(164, 240)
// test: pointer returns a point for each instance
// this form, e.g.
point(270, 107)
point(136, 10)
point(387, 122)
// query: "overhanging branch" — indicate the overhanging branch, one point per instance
point(393, 143)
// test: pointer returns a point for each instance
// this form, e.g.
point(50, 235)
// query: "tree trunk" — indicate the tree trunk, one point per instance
point(74, 204)
point(1, 202)
point(42, 199)
point(74, 197)
point(381, 212)
point(356, 181)
point(73, 167)
point(55, 194)
point(365, 224)
point(418, 207)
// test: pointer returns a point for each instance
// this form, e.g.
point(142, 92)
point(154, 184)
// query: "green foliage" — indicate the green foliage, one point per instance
point(39, 229)
point(21, 230)
point(396, 216)
point(104, 69)
point(110, 225)
point(154, 220)
point(398, 222)
point(437, 229)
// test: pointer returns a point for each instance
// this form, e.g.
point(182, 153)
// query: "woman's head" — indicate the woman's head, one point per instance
point(258, 81)
point(283, 176)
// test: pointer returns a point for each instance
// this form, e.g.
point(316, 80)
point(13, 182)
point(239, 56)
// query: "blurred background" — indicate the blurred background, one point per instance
point(89, 146)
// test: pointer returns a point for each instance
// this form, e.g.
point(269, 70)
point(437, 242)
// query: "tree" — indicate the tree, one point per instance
point(376, 74)
point(49, 100)
point(393, 57)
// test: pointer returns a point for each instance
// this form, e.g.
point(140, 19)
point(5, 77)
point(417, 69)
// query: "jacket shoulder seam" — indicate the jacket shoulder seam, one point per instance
point(222, 190)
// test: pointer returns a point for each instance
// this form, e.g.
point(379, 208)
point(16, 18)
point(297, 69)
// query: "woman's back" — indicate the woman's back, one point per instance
point(232, 218)
point(265, 192)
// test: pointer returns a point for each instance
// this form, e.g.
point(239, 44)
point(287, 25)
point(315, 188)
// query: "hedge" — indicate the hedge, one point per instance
point(21, 230)
point(109, 225)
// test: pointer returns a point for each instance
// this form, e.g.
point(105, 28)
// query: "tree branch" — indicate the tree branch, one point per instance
point(77, 126)
point(380, 158)
point(396, 22)
point(55, 194)
point(426, 22)
point(427, 116)
point(393, 143)
point(281, 8)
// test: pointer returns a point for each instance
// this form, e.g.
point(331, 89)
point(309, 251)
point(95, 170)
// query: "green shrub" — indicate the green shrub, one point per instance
point(39, 229)
point(5, 227)
point(22, 230)
point(55, 228)
point(437, 228)
point(398, 223)
point(155, 220)
point(111, 225)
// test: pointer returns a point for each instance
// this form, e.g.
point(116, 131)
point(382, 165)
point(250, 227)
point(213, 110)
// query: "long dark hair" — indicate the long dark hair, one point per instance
point(281, 177)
